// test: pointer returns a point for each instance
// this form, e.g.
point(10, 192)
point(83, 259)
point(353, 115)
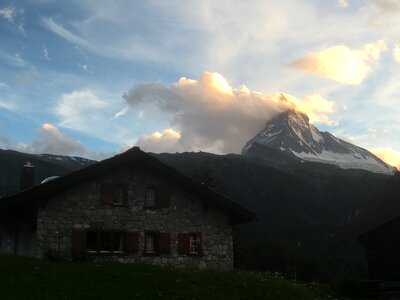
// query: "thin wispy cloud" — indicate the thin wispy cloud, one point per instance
point(45, 52)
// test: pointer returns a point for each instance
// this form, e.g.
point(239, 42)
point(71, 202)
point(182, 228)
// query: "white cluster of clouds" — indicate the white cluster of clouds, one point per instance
point(51, 140)
point(209, 115)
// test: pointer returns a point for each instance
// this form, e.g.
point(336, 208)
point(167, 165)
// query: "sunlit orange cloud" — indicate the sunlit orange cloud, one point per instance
point(390, 156)
point(396, 53)
point(316, 107)
point(340, 63)
point(209, 114)
point(165, 141)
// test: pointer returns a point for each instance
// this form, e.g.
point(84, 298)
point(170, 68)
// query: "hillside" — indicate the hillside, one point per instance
point(309, 213)
point(27, 278)
point(46, 165)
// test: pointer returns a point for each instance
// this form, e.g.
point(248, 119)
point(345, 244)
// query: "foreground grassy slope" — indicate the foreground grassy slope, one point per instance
point(27, 278)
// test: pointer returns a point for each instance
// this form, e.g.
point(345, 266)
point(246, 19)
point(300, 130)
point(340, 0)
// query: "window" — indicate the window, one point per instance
point(105, 241)
point(194, 243)
point(119, 194)
point(150, 200)
point(157, 243)
point(150, 243)
point(114, 193)
point(190, 243)
point(157, 197)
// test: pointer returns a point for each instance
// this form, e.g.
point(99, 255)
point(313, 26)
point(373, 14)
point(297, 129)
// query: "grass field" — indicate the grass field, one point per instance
point(27, 278)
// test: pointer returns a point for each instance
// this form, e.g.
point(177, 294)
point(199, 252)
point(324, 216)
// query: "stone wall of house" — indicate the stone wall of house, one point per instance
point(81, 208)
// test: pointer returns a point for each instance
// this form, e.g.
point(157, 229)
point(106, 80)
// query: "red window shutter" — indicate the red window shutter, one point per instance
point(132, 242)
point(162, 197)
point(78, 242)
point(183, 243)
point(107, 193)
point(164, 242)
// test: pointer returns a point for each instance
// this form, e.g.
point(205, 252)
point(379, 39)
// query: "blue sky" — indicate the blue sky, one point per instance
point(91, 78)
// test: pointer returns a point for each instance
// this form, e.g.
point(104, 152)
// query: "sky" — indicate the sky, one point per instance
point(93, 78)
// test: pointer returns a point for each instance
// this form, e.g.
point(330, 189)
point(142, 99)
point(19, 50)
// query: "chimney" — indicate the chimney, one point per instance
point(26, 180)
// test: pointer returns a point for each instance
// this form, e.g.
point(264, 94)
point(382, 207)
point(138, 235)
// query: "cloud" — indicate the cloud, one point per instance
point(340, 63)
point(14, 60)
point(26, 77)
point(166, 141)
point(8, 13)
point(396, 53)
point(390, 156)
point(343, 3)
point(51, 140)
point(383, 11)
point(212, 116)
point(96, 114)
point(77, 109)
point(45, 52)
point(67, 35)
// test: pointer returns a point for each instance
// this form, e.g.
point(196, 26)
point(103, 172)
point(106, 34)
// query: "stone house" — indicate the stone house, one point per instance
point(128, 208)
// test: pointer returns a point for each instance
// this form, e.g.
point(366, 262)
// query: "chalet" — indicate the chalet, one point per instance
point(382, 249)
point(128, 208)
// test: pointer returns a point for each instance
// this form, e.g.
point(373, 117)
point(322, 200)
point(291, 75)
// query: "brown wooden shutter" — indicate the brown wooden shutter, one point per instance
point(78, 242)
point(183, 243)
point(107, 193)
point(132, 242)
point(164, 242)
point(201, 243)
point(162, 196)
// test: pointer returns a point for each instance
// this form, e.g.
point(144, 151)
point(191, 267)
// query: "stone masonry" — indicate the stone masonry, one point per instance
point(80, 208)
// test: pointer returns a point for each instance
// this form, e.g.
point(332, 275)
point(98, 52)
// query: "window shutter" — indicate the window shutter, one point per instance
point(201, 243)
point(183, 243)
point(164, 242)
point(132, 242)
point(78, 242)
point(162, 197)
point(107, 193)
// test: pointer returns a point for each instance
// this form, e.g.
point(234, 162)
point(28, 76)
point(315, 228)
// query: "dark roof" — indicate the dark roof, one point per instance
point(237, 214)
point(379, 233)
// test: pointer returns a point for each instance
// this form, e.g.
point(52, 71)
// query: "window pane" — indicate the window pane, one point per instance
point(150, 243)
point(105, 241)
point(195, 243)
point(118, 241)
point(118, 195)
point(91, 241)
point(150, 197)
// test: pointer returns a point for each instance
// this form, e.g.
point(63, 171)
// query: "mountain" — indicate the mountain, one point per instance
point(46, 165)
point(290, 137)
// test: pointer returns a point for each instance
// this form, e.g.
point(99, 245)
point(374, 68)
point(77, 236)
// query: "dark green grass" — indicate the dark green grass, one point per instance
point(27, 278)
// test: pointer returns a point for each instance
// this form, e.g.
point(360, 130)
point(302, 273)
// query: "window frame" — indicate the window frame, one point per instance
point(98, 242)
point(146, 205)
point(109, 189)
point(156, 251)
point(199, 247)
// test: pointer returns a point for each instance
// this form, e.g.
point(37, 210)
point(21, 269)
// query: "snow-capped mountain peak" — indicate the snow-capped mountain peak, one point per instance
point(291, 133)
